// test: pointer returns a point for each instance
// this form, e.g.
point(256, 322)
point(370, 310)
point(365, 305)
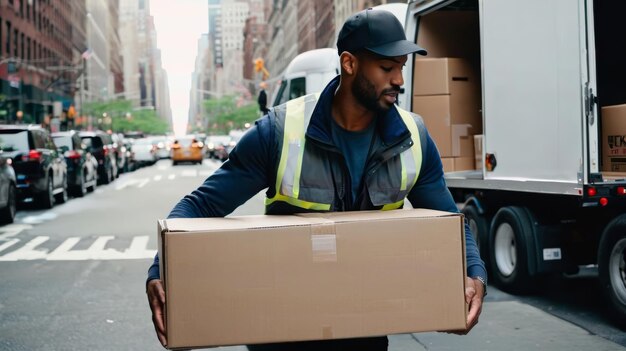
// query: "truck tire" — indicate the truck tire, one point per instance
point(612, 268)
point(479, 225)
point(509, 249)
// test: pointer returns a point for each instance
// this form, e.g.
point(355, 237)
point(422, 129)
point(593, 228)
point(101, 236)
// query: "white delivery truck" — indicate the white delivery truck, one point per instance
point(548, 195)
point(307, 73)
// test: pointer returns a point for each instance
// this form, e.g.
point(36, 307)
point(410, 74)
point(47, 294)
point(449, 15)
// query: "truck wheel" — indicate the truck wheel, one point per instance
point(612, 267)
point(480, 230)
point(509, 249)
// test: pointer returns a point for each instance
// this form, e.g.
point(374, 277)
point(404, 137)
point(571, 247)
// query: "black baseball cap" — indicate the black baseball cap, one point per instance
point(378, 31)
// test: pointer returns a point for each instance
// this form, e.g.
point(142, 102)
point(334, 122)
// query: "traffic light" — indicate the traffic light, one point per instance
point(259, 66)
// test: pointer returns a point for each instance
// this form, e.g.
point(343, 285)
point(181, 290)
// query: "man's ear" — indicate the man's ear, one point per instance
point(348, 62)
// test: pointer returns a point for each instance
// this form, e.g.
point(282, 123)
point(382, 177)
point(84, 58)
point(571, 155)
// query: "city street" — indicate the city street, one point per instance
point(73, 278)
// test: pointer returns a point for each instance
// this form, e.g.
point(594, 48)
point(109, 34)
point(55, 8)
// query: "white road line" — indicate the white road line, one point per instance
point(123, 185)
point(157, 178)
point(189, 173)
point(143, 183)
point(13, 230)
point(100, 243)
point(9, 244)
point(63, 251)
point(138, 248)
point(171, 176)
point(205, 173)
point(28, 251)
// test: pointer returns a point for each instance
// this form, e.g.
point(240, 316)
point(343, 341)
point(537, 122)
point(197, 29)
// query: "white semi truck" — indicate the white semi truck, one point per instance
point(541, 202)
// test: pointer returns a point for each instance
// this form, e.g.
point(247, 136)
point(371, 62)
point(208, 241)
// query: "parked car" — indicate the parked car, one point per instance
point(82, 166)
point(120, 153)
point(131, 163)
point(40, 169)
point(8, 192)
point(145, 151)
point(216, 146)
point(187, 149)
point(100, 145)
point(163, 147)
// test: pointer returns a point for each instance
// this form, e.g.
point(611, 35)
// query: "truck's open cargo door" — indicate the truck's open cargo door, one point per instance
point(534, 66)
point(592, 157)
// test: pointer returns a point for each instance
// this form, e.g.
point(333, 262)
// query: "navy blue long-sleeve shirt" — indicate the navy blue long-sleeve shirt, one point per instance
point(249, 170)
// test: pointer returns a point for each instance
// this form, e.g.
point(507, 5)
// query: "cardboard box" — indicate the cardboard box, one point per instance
point(451, 122)
point(260, 279)
point(456, 164)
point(478, 151)
point(446, 76)
point(614, 138)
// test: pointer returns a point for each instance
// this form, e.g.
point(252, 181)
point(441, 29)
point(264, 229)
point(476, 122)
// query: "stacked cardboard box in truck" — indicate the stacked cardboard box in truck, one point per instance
point(614, 138)
point(260, 279)
point(446, 93)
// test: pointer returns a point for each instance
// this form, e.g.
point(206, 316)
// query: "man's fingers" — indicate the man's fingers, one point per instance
point(159, 326)
point(474, 312)
point(156, 299)
point(470, 292)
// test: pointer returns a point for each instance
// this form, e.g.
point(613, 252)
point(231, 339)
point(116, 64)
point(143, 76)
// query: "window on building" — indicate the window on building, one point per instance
point(28, 49)
point(22, 47)
point(28, 11)
point(22, 8)
point(35, 50)
point(15, 39)
point(8, 42)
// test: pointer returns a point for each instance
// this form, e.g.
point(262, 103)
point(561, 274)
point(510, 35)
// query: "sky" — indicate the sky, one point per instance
point(179, 24)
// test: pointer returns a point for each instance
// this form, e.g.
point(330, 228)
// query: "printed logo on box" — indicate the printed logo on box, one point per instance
point(617, 141)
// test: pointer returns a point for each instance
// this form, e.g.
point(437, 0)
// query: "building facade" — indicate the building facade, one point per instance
point(38, 64)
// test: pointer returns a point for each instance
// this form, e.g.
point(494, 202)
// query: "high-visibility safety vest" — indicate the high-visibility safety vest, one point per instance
point(306, 179)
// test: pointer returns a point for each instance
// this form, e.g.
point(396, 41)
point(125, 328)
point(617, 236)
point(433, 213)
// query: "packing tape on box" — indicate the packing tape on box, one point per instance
point(324, 242)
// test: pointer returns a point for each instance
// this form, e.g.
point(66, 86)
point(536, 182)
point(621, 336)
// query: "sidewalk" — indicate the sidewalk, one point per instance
point(509, 326)
point(505, 325)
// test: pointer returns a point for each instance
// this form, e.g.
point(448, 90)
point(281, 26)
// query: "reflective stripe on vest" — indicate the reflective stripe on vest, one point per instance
point(297, 117)
point(411, 161)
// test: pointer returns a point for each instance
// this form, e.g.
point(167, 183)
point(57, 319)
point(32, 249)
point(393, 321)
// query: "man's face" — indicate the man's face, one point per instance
point(378, 80)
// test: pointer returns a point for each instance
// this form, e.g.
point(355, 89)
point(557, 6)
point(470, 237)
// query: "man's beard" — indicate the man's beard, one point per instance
point(365, 93)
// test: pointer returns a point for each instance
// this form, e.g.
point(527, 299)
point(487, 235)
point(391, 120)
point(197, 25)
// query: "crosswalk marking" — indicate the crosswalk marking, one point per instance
point(157, 178)
point(66, 252)
point(9, 244)
point(171, 176)
point(13, 230)
point(28, 251)
point(143, 183)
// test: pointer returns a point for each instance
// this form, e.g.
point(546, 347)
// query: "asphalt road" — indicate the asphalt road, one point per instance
point(73, 278)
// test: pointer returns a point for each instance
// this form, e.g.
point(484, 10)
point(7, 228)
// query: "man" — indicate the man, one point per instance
point(350, 148)
point(262, 100)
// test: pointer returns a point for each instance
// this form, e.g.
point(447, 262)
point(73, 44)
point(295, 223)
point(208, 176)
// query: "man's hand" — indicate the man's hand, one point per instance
point(156, 299)
point(474, 294)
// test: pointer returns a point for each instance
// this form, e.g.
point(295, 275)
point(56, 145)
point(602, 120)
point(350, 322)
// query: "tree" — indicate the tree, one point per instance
point(119, 116)
point(224, 114)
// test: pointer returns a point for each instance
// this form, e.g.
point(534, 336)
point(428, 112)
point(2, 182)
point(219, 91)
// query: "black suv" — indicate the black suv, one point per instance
point(82, 166)
point(40, 168)
point(100, 145)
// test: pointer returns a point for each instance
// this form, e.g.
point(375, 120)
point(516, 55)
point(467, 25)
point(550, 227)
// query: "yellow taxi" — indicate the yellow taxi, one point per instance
point(187, 149)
